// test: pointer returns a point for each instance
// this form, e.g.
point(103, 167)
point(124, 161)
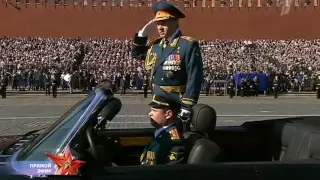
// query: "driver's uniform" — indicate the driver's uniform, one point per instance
point(166, 147)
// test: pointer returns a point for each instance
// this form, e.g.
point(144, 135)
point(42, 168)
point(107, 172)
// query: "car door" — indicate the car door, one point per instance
point(304, 169)
point(183, 172)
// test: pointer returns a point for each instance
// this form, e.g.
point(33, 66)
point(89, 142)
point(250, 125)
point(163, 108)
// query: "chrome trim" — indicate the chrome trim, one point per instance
point(19, 144)
point(4, 159)
point(5, 156)
point(23, 140)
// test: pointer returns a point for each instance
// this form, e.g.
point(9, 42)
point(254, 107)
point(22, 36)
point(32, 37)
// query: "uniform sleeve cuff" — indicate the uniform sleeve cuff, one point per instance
point(188, 101)
point(139, 41)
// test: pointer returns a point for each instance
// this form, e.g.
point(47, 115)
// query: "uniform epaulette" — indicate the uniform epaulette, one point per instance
point(174, 134)
point(155, 41)
point(188, 38)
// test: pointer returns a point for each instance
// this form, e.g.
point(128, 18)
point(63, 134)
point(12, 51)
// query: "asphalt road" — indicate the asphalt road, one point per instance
point(22, 113)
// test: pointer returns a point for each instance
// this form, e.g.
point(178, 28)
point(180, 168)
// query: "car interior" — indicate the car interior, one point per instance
point(269, 141)
point(282, 140)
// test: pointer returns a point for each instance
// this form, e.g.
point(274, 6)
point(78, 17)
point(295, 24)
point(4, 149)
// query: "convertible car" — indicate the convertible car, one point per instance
point(80, 143)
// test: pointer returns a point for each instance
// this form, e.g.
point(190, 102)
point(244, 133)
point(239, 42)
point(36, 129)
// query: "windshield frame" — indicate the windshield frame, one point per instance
point(33, 146)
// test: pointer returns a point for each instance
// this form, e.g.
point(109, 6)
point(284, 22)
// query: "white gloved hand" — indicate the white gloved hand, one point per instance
point(144, 32)
point(184, 114)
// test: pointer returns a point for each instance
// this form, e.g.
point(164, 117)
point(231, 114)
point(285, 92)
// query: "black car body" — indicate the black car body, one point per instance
point(285, 148)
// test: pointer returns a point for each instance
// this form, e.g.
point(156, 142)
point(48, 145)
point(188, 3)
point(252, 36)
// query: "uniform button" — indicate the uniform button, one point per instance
point(161, 79)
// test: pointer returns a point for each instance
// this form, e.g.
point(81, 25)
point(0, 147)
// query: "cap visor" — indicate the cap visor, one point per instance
point(161, 18)
point(155, 105)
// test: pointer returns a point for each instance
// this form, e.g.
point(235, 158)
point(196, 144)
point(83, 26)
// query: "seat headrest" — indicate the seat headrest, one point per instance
point(204, 118)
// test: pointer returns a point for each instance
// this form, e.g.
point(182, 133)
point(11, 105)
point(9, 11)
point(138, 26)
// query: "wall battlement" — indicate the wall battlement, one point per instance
point(229, 19)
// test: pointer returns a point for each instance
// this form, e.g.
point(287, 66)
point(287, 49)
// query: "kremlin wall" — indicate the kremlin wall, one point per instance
point(206, 19)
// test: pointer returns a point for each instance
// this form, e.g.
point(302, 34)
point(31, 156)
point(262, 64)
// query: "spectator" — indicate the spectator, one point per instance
point(27, 60)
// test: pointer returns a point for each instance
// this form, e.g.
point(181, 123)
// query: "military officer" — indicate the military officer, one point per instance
point(275, 87)
point(174, 60)
point(167, 145)
point(47, 84)
point(55, 83)
point(318, 86)
point(256, 85)
point(231, 86)
point(3, 85)
point(242, 87)
point(207, 85)
point(145, 86)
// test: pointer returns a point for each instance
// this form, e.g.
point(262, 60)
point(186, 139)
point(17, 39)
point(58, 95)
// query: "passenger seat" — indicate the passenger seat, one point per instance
point(295, 140)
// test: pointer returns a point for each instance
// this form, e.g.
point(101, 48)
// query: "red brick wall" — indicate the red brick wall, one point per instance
point(201, 23)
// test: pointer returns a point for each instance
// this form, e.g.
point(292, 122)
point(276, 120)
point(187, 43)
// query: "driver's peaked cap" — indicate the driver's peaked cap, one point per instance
point(160, 102)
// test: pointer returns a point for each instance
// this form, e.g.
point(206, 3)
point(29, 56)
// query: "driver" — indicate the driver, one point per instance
point(166, 146)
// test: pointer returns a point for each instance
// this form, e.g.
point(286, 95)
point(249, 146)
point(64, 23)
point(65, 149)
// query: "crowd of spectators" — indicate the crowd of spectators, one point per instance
point(297, 60)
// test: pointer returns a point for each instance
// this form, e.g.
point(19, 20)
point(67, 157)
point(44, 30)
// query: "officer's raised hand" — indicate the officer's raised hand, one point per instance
point(140, 48)
point(145, 31)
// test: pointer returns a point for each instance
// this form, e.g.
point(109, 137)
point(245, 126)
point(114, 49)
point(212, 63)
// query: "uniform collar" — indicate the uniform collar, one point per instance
point(176, 34)
point(160, 130)
point(172, 40)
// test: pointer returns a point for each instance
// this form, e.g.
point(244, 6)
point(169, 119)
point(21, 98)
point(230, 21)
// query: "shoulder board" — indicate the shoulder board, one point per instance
point(155, 41)
point(174, 134)
point(188, 38)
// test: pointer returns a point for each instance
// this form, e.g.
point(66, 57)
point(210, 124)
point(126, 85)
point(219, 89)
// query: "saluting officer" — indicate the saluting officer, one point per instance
point(318, 86)
point(145, 86)
point(167, 145)
point(174, 60)
point(3, 84)
point(275, 87)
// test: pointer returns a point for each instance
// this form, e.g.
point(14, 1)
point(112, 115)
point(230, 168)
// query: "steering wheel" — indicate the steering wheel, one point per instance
point(92, 145)
point(93, 149)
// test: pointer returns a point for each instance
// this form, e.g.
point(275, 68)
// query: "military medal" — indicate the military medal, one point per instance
point(170, 74)
point(142, 157)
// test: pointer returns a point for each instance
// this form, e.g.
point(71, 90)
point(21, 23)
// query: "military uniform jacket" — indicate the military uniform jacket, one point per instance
point(231, 82)
point(177, 68)
point(56, 78)
point(145, 82)
point(4, 82)
point(317, 81)
point(256, 81)
point(47, 79)
point(167, 148)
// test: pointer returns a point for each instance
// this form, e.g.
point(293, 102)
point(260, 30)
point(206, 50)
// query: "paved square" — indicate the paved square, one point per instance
point(22, 113)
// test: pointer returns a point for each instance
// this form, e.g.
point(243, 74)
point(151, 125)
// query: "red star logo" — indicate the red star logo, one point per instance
point(66, 165)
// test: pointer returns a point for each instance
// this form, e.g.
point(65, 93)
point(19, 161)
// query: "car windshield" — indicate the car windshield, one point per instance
point(54, 136)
